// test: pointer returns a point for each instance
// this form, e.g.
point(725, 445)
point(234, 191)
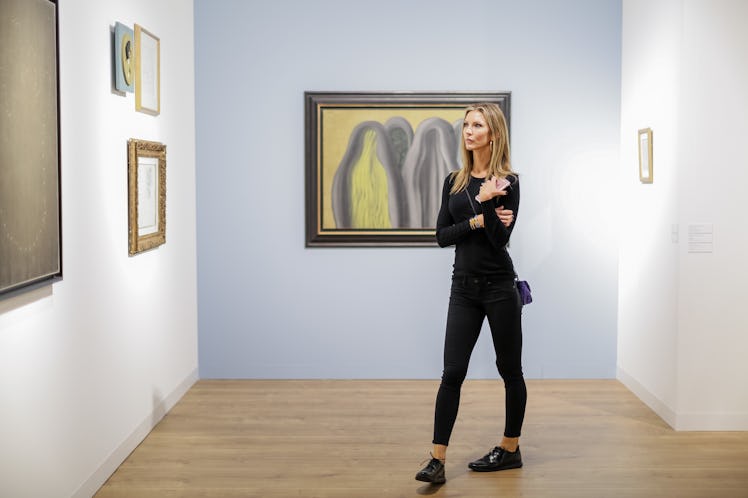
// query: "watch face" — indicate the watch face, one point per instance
point(127, 66)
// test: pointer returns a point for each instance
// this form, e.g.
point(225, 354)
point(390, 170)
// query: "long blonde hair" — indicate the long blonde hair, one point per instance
point(500, 164)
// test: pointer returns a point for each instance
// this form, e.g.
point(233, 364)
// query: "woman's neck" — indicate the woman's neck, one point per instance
point(481, 160)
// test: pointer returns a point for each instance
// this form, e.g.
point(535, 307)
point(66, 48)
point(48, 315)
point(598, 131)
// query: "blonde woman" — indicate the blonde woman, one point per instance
point(477, 215)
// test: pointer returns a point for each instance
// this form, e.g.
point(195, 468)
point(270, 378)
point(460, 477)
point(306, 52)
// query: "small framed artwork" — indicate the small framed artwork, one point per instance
point(124, 58)
point(146, 166)
point(645, 156)
point(147, 72)
point(376, 163)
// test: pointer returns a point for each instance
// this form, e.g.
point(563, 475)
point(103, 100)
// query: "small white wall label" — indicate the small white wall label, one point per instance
point(701, 237)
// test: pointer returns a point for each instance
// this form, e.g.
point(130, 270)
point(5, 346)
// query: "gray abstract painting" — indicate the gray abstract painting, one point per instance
point(30, 250)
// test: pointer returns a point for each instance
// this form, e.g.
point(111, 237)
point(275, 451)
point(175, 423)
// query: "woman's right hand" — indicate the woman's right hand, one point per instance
point(489, 190)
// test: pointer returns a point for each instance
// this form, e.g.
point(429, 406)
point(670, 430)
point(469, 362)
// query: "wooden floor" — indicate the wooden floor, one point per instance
point(368, 439)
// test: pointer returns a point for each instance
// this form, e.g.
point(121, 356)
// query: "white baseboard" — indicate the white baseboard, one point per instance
point(696, 421)
point(115, 459)
point(685, 421)
point(656, 404)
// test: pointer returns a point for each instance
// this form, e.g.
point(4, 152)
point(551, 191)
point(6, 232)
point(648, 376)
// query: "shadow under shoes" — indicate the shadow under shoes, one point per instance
point(433, 472)
point(497, 459)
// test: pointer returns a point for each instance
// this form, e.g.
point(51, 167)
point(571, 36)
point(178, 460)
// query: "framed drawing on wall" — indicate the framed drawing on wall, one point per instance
point(376, 163)
point(147, 72)
point(30, 214)
point(646, 173)
point(146, 163)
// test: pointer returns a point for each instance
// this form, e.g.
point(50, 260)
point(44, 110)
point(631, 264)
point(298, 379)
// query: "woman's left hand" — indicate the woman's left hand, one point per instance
point(506, 216)
point(488, 190)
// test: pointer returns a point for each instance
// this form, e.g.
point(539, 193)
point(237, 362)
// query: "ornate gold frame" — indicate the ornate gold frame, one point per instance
point(139, 153)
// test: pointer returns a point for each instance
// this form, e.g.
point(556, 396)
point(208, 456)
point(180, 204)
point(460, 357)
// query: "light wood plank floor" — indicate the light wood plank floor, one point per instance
point(335, 439)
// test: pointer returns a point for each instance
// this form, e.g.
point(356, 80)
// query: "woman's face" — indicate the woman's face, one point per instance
point(475, 131)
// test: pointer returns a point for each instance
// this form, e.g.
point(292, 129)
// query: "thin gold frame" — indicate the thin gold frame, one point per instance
point(140, 32)
point(646, 172)
point(145, 149)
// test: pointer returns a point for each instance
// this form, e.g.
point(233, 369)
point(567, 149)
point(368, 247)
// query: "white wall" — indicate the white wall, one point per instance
point(88, 365)
point(648, 265)
point(713, 372)
point(271, 308)
point(682, 320)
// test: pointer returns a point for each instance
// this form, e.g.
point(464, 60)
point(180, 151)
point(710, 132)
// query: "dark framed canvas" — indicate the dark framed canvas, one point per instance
point(376, 162)
point(30, 221)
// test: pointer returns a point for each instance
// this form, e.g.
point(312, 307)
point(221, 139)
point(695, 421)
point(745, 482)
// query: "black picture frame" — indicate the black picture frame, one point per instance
point(30, 197)
point(376, 162)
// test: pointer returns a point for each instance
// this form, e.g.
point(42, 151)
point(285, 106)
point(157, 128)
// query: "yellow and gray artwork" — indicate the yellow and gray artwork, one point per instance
point(390, 170)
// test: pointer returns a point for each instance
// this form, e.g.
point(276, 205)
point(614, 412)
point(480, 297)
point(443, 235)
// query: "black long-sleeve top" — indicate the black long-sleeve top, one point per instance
point(482, 251)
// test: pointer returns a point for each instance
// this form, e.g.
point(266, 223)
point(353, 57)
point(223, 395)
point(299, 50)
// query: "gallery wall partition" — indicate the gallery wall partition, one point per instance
point(89, 363)
point(271, 307)
point(681, 340)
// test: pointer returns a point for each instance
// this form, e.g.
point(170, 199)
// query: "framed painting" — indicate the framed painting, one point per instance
point(645, 156)
point(124, 58)
point(146, 195)
point(147, 72)
point(30, 219)
point(376, 163)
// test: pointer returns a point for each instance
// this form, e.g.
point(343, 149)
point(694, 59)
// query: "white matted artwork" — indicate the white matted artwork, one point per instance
point(645, 156)
point(147, 195)
point(147, 71)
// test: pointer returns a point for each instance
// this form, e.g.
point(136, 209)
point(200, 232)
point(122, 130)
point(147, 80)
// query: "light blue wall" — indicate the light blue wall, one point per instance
point(269, 308)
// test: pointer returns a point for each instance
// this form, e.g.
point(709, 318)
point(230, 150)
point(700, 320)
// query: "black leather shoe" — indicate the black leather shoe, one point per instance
point(497, 459)
point(433, 472)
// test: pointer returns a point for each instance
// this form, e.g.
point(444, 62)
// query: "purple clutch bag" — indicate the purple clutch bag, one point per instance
point(524, 291)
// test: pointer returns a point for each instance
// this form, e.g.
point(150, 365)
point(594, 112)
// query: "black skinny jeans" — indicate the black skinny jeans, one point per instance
point(471, 300)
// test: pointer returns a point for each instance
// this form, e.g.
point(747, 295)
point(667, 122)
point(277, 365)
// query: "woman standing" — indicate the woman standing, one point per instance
point(477, 215)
